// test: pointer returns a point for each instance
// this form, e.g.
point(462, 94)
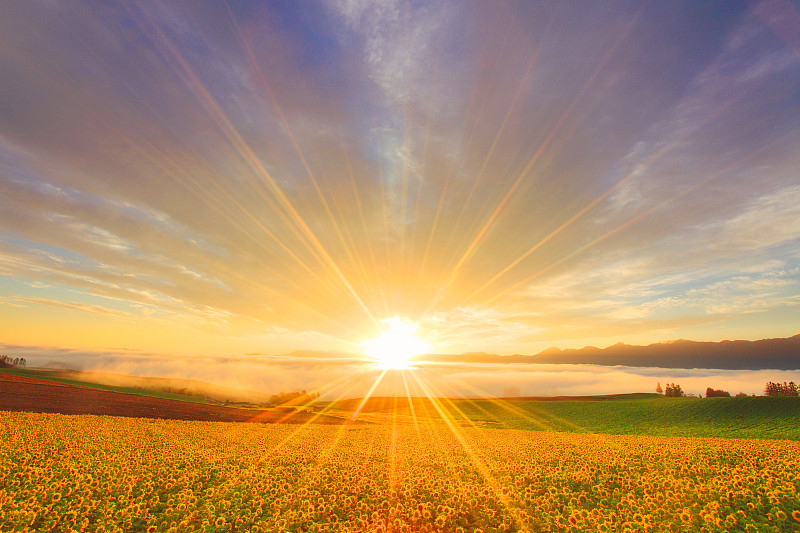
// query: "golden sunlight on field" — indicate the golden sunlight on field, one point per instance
point(115, 474)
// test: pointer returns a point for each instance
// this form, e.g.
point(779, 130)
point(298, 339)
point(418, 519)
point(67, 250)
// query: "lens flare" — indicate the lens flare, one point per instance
point(397, 345)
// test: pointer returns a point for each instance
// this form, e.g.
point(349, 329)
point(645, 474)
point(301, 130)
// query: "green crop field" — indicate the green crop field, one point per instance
point(748, 417)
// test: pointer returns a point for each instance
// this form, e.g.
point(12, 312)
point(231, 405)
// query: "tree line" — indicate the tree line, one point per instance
point(785, 389)
point(295, 398)
point(673, 390)
point(7, 361)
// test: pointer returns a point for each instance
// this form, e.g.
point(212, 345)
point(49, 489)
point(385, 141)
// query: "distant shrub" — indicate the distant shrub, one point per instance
point(294, 398)
point(6, 361)
point(717, 393)
point(786, 389)
point(673, 391)
point(741, 395)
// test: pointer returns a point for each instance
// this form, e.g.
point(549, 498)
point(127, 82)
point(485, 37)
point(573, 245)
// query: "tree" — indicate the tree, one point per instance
point(6, 361)
point(785, 389)
point(659, 390)
point(717, 393)
point(673, 391)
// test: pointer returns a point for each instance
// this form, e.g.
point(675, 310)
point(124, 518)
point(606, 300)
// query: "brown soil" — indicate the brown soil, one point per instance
point(25, 379)
point(18, 393)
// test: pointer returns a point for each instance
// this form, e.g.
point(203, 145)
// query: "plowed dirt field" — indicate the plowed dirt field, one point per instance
point(18, 393)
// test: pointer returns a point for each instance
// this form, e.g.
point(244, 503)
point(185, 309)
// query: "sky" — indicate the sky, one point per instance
point(251, 179)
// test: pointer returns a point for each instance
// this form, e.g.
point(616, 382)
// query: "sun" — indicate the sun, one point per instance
point(397, 345)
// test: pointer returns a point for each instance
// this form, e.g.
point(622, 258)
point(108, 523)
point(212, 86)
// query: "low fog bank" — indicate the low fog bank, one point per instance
point(580, 380)
point(338, 376)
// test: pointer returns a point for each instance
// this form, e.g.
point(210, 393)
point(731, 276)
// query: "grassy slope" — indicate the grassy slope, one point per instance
point(751, 417)
point(48, 376)
point(645, 414)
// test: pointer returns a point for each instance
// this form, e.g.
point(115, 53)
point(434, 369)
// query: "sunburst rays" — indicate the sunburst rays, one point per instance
point(348, 237)
point(432, 415)
point(346, 260)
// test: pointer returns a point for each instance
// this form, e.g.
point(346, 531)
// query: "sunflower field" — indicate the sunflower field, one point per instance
point(94, 473)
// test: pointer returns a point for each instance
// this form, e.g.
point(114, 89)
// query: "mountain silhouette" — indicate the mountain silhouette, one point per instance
point(765, 354)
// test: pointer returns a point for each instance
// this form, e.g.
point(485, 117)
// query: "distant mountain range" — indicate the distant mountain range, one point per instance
point(772, 354)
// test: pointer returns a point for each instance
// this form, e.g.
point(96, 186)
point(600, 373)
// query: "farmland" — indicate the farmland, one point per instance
point(22, 393)
point(193, 391)
point(647, 415)
point(95, 473)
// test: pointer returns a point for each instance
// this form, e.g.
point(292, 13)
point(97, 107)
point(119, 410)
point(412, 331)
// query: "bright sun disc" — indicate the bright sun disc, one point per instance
point(396, 346)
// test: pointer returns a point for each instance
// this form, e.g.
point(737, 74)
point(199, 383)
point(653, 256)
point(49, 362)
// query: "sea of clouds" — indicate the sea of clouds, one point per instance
point(342, 375)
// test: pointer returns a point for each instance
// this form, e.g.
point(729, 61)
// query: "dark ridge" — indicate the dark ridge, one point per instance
point(766, 354)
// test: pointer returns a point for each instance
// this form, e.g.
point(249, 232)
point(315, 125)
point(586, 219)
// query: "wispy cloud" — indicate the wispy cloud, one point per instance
point(284, 176)
point(96, 309)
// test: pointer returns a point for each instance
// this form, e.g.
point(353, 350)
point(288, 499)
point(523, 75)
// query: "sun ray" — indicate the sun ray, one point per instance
point(214, 110)
point(410, 402)
point(457, 164)
point(209, 196)
point(538, 418)
point(476, 460)
point(346, 387)
point(364, 227)
point(624, 225)
point(366, 398)
point(489, 223)
point(509, 112)
point(644, 166)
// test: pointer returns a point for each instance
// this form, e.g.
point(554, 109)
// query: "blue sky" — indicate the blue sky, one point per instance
point(227, 178)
